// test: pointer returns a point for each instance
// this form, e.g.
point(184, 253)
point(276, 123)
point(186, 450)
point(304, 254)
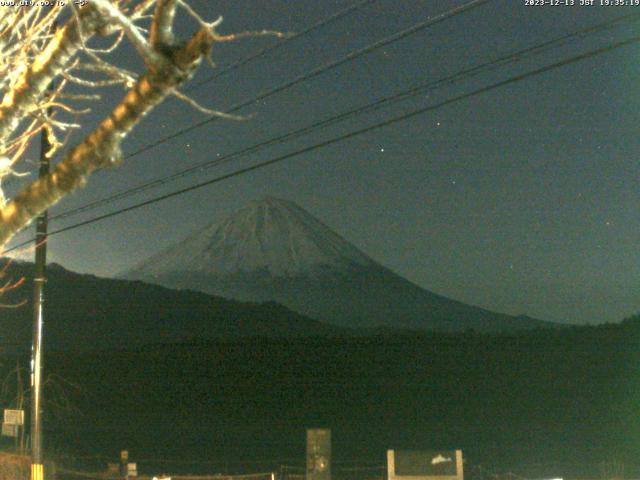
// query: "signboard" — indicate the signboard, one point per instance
point(318, 454)
point(9, 430)
point(124, 455)
point(425, 465)
point(14, 417)
point(132, 469)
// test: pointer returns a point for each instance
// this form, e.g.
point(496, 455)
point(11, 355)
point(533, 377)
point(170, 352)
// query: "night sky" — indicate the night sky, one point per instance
point(523, 200)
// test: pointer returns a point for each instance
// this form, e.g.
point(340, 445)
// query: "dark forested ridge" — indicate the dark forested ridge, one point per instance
point(85, 312)
point(559, 401)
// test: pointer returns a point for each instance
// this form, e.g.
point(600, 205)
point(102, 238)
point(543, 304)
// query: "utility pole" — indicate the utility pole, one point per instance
point(37, 466)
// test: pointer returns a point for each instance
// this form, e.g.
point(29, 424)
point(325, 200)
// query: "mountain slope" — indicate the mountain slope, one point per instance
point(273, 250)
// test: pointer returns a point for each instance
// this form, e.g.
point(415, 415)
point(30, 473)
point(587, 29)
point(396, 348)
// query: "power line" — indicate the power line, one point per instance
point(402, 34)
point(376, 126)
point(320, 70)
point(512, 57)
point(281, 43)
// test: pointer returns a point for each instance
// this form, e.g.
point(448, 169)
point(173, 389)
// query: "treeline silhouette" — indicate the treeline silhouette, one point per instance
point(553, 401)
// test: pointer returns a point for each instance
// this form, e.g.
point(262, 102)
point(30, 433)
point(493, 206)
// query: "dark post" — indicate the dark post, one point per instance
point(124, 459)
point(37, 464)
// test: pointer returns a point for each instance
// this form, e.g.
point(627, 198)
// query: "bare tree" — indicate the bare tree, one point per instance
point(41, 44)
point(61, 399)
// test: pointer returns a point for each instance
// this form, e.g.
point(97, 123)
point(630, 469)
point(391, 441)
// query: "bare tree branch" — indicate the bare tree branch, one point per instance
point(31, 57)
point(162, 25)
point(33, 83)
point(102, 148)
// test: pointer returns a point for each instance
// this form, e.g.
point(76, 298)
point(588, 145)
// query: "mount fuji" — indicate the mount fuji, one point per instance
point(273, 250)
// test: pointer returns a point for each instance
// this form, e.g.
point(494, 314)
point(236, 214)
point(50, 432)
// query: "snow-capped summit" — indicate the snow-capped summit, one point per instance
point(273, 250)
point(269, 235)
